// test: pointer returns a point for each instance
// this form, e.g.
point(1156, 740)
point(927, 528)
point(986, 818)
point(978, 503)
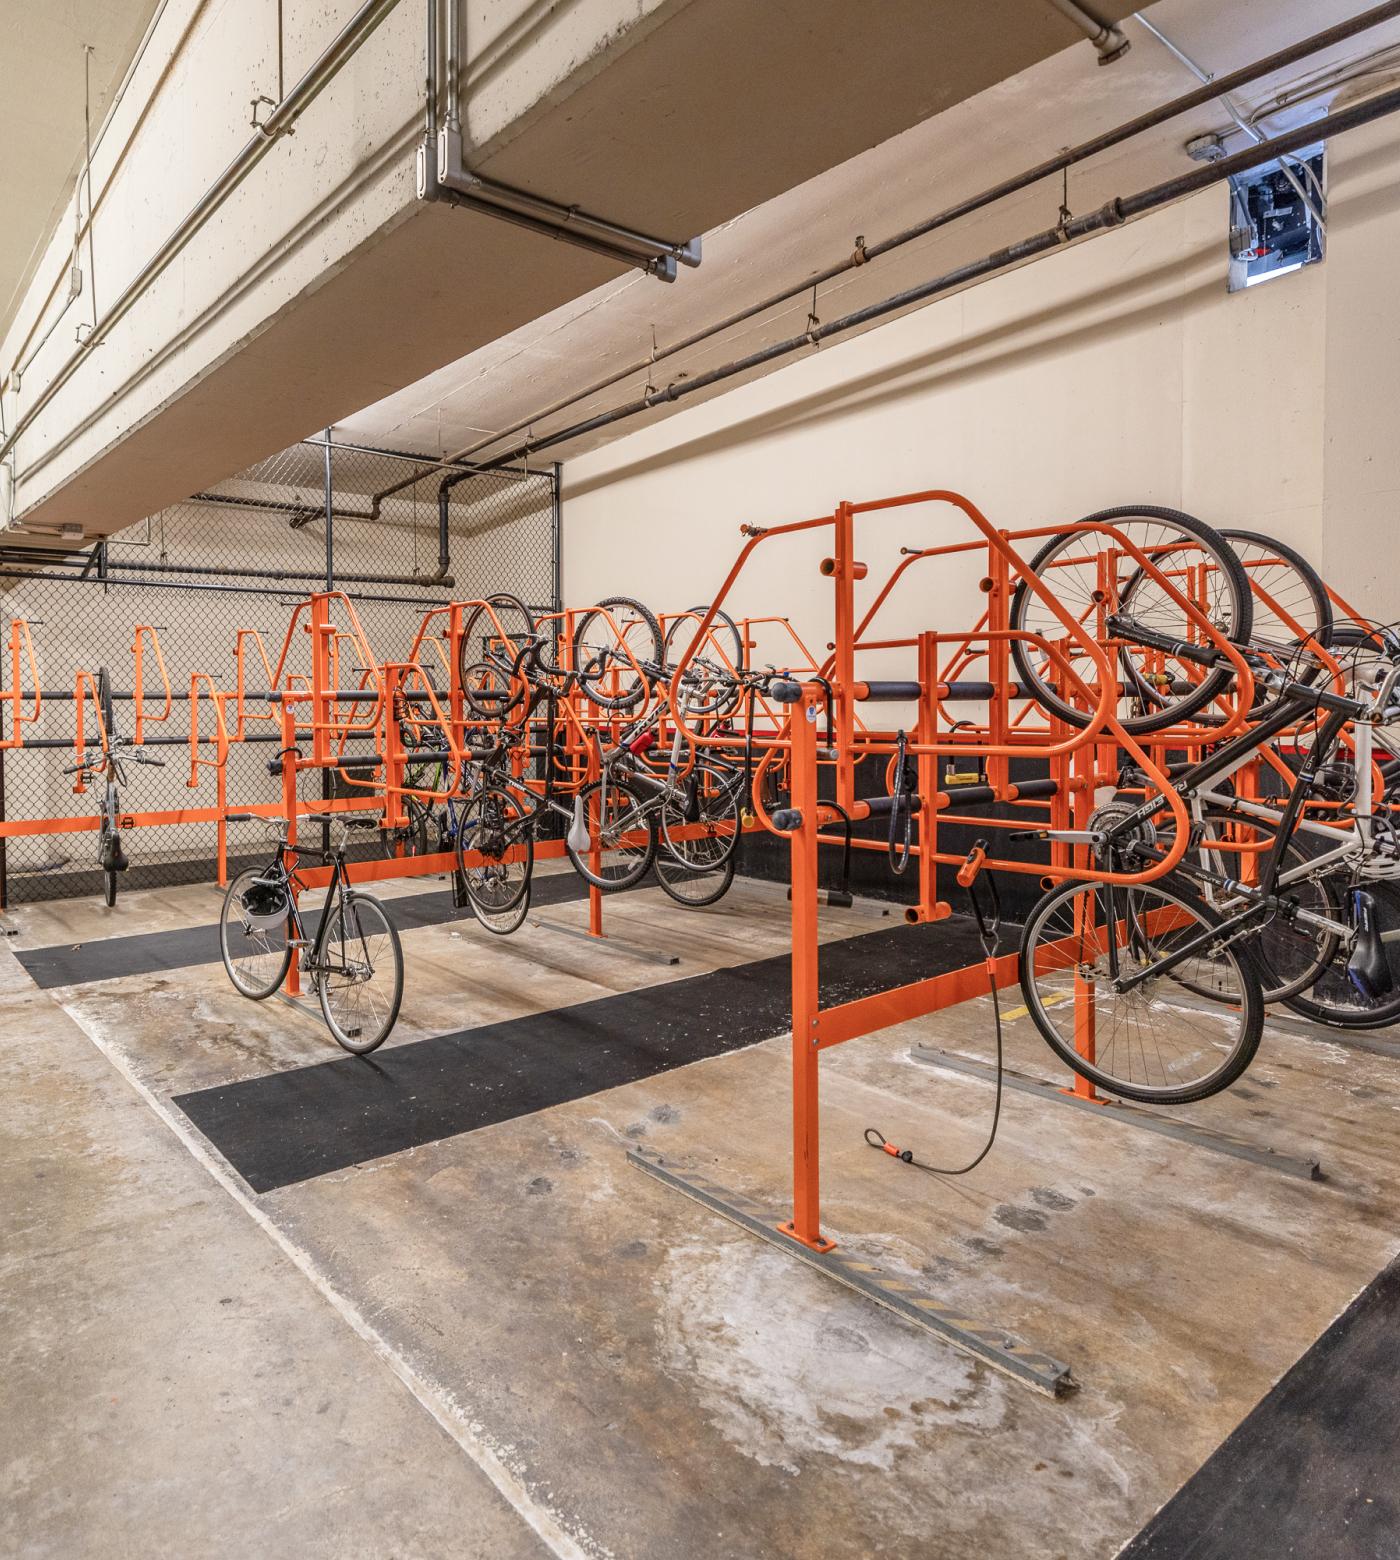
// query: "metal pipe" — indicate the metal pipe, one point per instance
point(453, 123)
point(224, 570)
point(302, 514)
point(1112, 214)
point(557, 536)
point(452, 181)
point(444, 547)
point(330, 518)
point(1110, 41)
point(279, 121)
point(1283, 58)
point(427, 152)
point(65, 573)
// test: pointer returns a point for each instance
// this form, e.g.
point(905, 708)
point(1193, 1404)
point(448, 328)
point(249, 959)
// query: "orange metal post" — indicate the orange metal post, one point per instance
point(805, 1224)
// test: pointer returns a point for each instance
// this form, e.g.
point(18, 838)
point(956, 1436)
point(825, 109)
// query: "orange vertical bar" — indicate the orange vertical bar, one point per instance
point(805, 1224)
point(844, 666)
point(321, 684)
point(926, 734)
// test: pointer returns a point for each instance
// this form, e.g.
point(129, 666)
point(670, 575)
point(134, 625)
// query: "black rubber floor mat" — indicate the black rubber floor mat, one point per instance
point(111, 958)
point(1312, 1471)
point(290, 1126)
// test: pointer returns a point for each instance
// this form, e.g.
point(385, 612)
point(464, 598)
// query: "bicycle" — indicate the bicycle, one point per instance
point(353, 958)
point(109, 768)
point(1153, 991)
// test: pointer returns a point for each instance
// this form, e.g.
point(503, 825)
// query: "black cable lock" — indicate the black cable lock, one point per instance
point(989, 933)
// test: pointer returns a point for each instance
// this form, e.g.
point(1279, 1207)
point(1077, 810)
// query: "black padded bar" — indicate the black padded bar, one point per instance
point(979, 690)
point(890, 692)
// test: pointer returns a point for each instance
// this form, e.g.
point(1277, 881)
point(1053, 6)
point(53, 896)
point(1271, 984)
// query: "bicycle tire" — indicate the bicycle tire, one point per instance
point(360, 1037)
point(1235, 603)
point(1279, 949)
point(694, 890)
point(495, 827)
point(593, 668)
point(517, 626)
point(632, 863)
point(1333, 1001)
point(1304, 599)
point(274, 972)
point(714, 799)
point(1053, 947)
point(720, 695)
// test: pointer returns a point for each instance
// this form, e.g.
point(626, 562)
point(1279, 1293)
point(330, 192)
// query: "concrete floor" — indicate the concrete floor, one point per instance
point(511, 1342)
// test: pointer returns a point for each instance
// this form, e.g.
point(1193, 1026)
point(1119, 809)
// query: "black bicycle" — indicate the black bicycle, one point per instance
point(110, 768)
point(352, 957)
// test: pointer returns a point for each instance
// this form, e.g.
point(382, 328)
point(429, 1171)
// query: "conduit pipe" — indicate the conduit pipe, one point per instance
point(280, 120)
point(1291, 55)
point(443, 175)
point(1112, 214)
point(1241, 123)
point(1110, 41)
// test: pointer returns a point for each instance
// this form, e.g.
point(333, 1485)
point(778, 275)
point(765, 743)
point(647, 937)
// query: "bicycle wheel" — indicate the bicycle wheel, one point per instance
point(1092, 577)
point(622, 833)
point(493, 635)
point(1288, 957)
point(409, 838)
point(109, 886)
point(496, 831)
point(615, 645)
point(1161, 1042)
point(256, 957)
point(700, 829)
point(360, 978)
point(1292, 610)
point(1335, 998)
point(710, 687)
point(693, 889)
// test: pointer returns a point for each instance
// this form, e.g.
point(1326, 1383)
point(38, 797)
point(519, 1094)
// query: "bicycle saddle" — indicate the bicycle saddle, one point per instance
point(1368, 969)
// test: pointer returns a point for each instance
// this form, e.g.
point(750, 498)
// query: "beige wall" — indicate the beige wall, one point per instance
point(1119, 371)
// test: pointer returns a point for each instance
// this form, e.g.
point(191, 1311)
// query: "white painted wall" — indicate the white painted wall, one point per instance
point(1118, 371)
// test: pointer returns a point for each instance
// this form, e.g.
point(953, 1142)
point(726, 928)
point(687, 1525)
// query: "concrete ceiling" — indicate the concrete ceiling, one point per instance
point(1012, 125)
point(41, 114)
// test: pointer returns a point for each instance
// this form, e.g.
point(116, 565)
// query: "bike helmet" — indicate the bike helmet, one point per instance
point(265, 904)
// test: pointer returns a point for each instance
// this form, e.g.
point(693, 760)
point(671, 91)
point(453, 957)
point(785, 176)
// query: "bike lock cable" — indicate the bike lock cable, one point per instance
point(989, 933)
point(900, 805)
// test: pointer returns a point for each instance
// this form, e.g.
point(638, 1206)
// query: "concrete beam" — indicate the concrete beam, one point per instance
point(323, 284)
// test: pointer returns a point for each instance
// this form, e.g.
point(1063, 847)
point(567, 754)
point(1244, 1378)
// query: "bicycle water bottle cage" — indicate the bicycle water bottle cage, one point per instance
point(1367, 969)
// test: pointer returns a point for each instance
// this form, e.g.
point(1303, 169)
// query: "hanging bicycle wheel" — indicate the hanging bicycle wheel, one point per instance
point(616, 644)
point(700, 829)
point(622, 836)
point(496, 856)
point(1292, 610)
point(1347, 999)
point(493, 635)
point(360, 982)
point(693, 889)
point(1288, 956)
point(256, 955)
point(1093, 577)
point(709, 685)
point(1174, 1037)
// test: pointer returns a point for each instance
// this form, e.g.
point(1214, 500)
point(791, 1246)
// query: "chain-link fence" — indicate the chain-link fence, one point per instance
point(404, 535)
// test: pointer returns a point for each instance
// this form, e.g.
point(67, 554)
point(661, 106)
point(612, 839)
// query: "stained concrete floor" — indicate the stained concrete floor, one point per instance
point(511, 1342)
